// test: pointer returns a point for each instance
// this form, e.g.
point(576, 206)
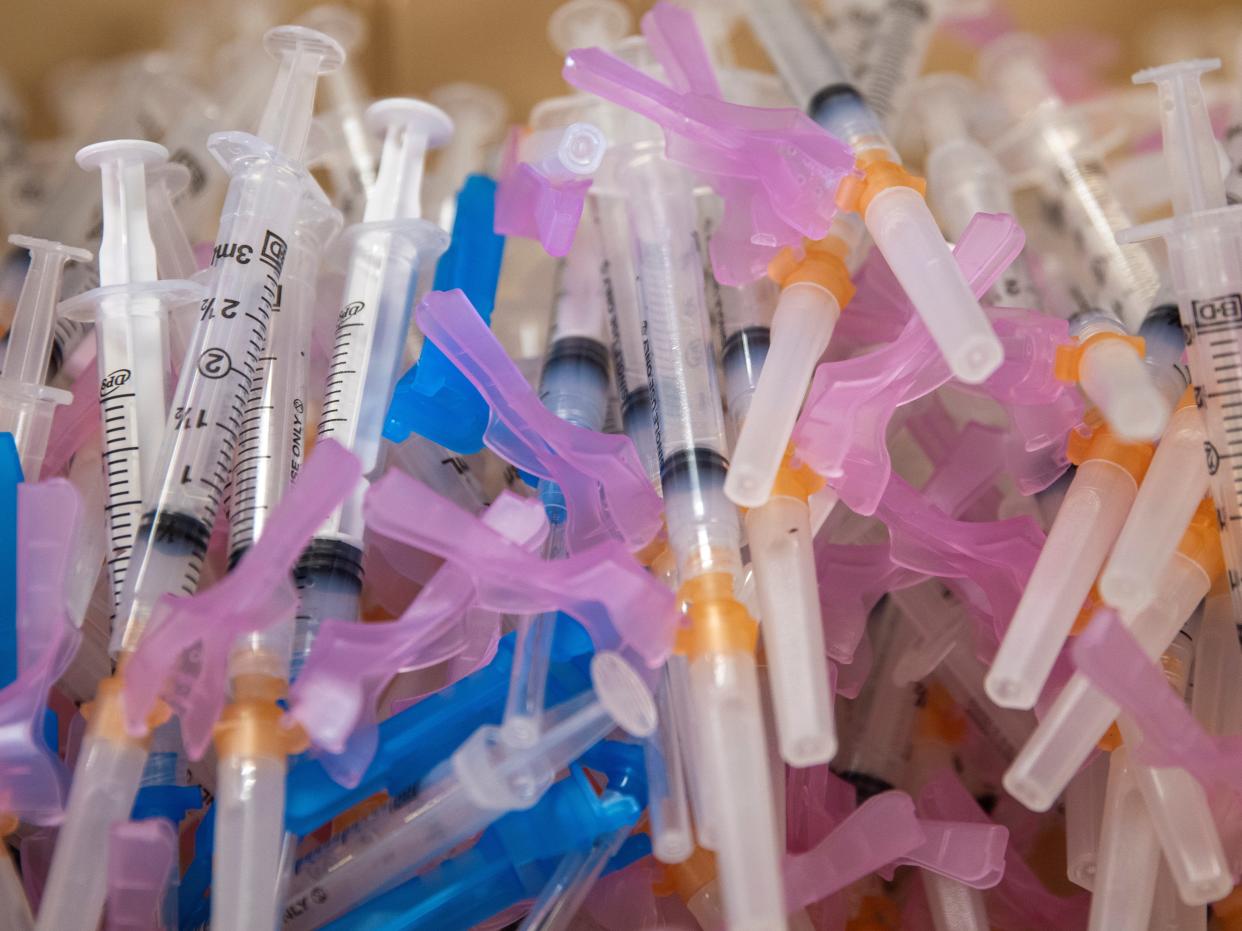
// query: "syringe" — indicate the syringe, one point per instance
point(256, 226)
point(386, 251)
point(1204, 240)
point(888, 198)
point(478, 114)
point(705, 537)
point(251, 747)
point(778, 527)
point(574, 386)
point(26, 401)
point(1059, 151)
point(130, 311)
point(345, 104)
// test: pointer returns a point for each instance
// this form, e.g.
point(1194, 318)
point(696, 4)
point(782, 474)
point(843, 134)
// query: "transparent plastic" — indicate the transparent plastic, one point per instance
point(1129, 854)
point(1088, 521)
point(1178, 807)
point(256, 226)
point(26, 402)
point(801, 329)
point(564, 893)
point(954, 906)
point(1084, 815)
point(130, 312)
point(14, 908)
point(668, 806)
point(783, 558)
point(794, 45)
point(1217, 699)
point(1117, 380)
point(250, 804)
point(906, 234)
point(726, 697)
point(105, 784)
point(1081, 713)
point(1175, 483)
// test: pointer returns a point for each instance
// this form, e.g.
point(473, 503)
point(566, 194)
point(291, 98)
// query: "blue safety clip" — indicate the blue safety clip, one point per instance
point(434, 399)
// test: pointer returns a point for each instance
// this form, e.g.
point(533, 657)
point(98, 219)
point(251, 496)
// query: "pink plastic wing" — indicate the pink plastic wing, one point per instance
point(973, 854)
point(842, 430)
point(141, 858)
point(775, 169)
point(1114, 662)
point(604, 588)
point(607, 492)
point(533, 205)
point(879, 831)
point(1019, 892)
point(183, 657)
point(997, 556)
point(351, 664)
point(33, 780)
point(852, 580)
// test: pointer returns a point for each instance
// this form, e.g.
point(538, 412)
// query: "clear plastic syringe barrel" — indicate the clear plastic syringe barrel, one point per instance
point(370, 337)
point(741, 317)
point(256, 226)
point(875, 745)
point(804, 61)
point(273, 434)
point(608, 214)
point(1049, 146)
point(704, 532)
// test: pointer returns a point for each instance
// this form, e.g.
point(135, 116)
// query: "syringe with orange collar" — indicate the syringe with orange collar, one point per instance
point(704, 534)
point(1090, 518)
point(1081, 714)
point(965, 178)
point(766, 371)
point(887, 197)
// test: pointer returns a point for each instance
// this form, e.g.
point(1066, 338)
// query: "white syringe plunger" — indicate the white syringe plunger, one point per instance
point(585, 23)
point(304, 54)
point(127, 251)
point(1190, 148)
point(410, 127)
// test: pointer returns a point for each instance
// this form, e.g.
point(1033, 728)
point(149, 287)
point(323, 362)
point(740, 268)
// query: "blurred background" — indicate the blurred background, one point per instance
point(416, 45)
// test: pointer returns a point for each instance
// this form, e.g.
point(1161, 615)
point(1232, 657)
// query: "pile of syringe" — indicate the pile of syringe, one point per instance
point(729, 499)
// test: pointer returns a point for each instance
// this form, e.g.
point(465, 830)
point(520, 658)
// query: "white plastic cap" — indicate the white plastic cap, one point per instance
point(910, 241)
point(410, 127)
point(802, 326)
point(782, 554)
point(1190, 149)
point(1175, 483)
point(1113, 375)
point(1089, 520)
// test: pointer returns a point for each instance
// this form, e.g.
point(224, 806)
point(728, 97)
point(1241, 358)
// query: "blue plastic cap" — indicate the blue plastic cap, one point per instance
point(434, 399)
point(414, 742)
point(171, 802)
point(10, 478)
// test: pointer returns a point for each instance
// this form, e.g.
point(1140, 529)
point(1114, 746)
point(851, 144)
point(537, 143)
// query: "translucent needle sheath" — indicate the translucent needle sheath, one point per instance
point(26, 401)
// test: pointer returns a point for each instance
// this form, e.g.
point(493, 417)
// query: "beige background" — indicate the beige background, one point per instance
point(417, 44)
